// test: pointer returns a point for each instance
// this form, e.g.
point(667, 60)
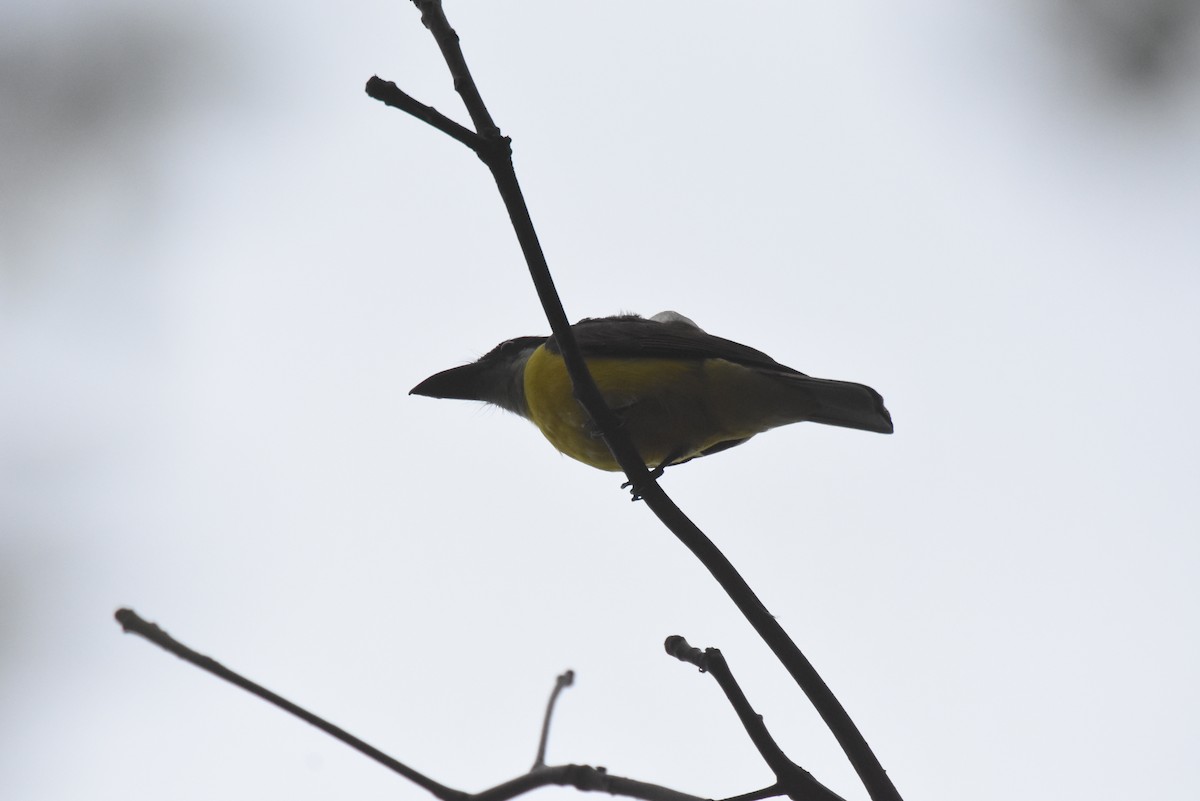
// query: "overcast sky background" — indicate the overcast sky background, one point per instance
point(222, 267)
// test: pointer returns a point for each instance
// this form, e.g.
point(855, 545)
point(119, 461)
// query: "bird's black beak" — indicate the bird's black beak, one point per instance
point(469, 382)
point(497, 377)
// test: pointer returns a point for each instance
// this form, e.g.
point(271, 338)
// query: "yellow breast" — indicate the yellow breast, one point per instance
point(667, 406)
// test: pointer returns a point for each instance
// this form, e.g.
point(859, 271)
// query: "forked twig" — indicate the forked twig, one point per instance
point(790, 779)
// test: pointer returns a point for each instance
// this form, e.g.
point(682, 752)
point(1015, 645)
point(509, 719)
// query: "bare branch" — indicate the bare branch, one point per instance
point(878, 784)
point(562, 682)
point(793, 780)
point(582, 777)
point(679, 648)
point(392, 95)
point(132, 623)
point(767, 792)
point(446, 37)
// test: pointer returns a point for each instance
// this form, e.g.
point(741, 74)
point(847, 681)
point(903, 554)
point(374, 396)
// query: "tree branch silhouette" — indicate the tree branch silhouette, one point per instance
point(790, 779)
point(495, 151)
point(561, 683)
point(132, 623)
point(581, 777)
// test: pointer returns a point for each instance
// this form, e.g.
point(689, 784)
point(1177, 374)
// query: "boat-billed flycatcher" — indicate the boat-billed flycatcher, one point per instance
point(680, 392)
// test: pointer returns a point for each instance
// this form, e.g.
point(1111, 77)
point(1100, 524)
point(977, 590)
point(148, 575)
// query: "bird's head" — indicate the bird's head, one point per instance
point(497, 377)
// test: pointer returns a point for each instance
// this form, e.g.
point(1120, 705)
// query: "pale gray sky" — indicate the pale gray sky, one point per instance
point(224, 267)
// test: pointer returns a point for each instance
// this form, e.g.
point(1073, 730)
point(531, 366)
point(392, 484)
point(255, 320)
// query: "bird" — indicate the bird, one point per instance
point(680, 392)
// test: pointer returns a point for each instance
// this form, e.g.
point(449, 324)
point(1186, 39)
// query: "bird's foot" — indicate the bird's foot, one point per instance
point(637, 492)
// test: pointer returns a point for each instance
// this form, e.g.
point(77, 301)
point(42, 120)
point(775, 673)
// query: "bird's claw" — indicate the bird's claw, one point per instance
point(636, 493)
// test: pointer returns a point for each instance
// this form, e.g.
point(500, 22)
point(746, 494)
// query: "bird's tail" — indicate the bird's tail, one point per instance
point(836, 403)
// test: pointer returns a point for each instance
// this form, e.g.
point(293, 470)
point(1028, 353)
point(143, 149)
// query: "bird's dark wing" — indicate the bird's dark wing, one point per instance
point(635, 337)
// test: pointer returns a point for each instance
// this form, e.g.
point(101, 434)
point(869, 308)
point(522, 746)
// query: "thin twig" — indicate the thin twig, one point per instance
point(132, 623)
point(434, 18)
point(392, 95)
point(794, 780)
point(563, 681)
point(766, 792)
point(582, 777)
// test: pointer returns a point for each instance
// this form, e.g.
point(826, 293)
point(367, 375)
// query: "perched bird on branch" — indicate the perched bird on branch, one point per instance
point(678, 391)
